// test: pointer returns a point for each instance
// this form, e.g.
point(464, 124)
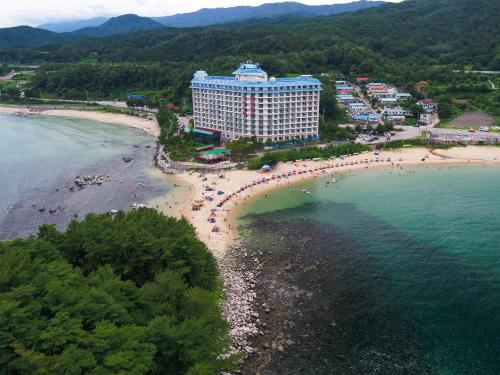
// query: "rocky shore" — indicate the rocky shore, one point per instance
point(249, 314)
point(240, 307)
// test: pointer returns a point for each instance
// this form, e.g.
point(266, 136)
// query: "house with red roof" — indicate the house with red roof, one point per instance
point(428, 105)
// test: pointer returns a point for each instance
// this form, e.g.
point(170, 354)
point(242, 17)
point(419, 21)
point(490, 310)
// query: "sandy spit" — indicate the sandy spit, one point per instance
point(149, 126)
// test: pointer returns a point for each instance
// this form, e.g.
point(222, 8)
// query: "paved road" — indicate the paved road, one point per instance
point(367, 102)
point(9, 76)
point(407, 132)
point(478, 71)
point(110, 103)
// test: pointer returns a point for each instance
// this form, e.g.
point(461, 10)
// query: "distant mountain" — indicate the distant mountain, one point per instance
point(206, 17)
point(121, 25)
point(69, 26)
point(24, 36)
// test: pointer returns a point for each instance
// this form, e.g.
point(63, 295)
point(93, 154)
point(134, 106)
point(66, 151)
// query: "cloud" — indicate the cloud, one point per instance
point(36, 12)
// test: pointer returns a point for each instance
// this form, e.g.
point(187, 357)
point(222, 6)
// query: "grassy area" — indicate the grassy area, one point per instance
point(271, 158)
point(403, 143)
point(466, 93)
point(4, 84)
point(180, 147)
point(36, 102)
point(410, 121)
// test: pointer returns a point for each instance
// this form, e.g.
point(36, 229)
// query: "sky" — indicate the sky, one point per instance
point(36, 12)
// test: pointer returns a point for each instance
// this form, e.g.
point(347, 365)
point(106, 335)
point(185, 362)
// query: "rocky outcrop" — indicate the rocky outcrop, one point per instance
point(83, 181)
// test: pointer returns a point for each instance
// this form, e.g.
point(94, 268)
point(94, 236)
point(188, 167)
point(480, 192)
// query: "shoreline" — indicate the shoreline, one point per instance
point(98, 169)
point(149, 126)
point(239, 282)
point(234, 180)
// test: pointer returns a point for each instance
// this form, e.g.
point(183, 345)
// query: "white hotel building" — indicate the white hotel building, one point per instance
point(251, 105)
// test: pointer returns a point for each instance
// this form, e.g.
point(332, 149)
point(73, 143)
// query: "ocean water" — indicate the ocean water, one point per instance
point(40, 156)
point(382, 272)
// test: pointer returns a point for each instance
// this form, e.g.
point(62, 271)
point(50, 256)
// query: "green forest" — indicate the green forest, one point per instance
point(132, 293)
point(401, 43)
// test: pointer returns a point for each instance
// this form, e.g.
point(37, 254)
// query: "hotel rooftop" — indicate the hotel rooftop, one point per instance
point(250, 75)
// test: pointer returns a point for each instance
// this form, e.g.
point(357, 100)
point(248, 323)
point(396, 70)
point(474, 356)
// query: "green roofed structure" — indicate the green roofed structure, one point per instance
point(214, 155)
point(207, 136)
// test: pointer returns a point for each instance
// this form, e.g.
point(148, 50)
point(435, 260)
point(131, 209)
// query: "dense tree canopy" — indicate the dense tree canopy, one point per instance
point(137, 293)
point(400, 43)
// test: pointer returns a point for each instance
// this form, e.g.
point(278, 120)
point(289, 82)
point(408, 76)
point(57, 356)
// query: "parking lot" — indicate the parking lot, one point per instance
point(452, 135)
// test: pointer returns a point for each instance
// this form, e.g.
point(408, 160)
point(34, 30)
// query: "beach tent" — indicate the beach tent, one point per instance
point(266, 168)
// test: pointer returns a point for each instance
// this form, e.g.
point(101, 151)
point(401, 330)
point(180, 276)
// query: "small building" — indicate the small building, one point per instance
point(395, 111)
point(428, 105)
point(425, 119)
point(136, 97)
point(366, 118)
point(213, 155)
point(402, 96)
point(395, 114)
point(375, 84)
point(362, 79)
point(346, 99)
point(388, 100)
point(344, 88)
point(373, 118)
point(207, 136)
point(357, 105)
point(340, 83)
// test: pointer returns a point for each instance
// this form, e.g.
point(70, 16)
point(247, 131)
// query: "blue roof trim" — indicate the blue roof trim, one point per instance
point(276, 82)
point(249, 69)
point(270, 86)
point(202, 81)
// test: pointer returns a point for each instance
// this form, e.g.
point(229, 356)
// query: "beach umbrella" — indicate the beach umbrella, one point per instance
point(266, 167)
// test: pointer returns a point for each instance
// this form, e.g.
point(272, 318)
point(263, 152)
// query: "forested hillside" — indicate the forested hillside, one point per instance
point(214, 16)
point(401, 43)
point(120, 25)
point(25, 37)
point(137, 293)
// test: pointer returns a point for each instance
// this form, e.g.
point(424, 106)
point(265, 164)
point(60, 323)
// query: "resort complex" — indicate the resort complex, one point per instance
point(250, 104)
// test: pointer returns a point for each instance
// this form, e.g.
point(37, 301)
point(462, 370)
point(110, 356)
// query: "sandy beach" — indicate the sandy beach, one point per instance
point(233, 181)
point(237, 187)
point(149, 126)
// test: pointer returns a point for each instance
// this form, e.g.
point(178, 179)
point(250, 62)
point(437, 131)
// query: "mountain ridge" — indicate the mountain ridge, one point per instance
point(120, 25)
point(221, 15)
point(218, 16)
point(70, 26)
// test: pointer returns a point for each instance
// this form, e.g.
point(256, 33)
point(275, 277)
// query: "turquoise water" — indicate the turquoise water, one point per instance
point(40, 156)
point(406, 271)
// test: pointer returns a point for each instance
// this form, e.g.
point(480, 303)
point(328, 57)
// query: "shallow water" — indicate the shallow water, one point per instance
point(387, 271)
point(40, 156)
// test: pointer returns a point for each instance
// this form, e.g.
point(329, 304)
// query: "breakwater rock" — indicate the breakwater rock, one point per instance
point(82, 181)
